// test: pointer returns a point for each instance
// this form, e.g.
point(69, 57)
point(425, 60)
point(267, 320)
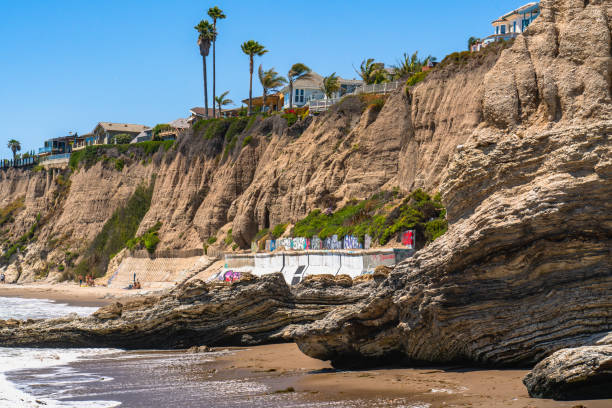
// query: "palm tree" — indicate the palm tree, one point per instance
point(221, 101)
point(331, 85)
point(269, 80)
point(252, 49)
point(410, 65)
point(372, 72)
point(216, 14)
point(207, 35)
point(15, 146)
point(297, 71)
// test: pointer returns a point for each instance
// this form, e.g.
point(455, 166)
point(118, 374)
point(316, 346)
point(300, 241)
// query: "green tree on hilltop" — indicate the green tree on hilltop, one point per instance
point(15, 146)
point(207, 35)
point(269, 80)
point(252, 49)
point(216, 14)
point(297, 71)
point(222, 101)
point(331, 85)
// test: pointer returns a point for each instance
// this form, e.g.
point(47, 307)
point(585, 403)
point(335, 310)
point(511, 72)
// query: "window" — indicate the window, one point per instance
point(514, 28)
point(299, 96)
point(503, 29)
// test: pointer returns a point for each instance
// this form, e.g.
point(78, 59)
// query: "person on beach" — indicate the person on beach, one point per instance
point(80, 281)
point(2, 277)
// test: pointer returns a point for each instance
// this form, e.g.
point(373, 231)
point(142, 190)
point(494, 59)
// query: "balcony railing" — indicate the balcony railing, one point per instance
point(62, 156)
point(321, 105)
point(48, 149)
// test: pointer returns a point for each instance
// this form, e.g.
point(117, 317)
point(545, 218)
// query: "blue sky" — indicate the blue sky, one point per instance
point(67, 64)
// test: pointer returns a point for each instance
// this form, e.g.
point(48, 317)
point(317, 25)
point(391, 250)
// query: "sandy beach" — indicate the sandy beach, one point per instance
point(69, 293)
point(437, 386)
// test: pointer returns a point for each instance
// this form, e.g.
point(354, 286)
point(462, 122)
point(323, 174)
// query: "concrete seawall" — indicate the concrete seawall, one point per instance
point(296, 265)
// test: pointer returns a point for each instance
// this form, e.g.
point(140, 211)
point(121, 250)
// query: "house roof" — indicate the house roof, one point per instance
point(180, 123)
point(519, 10)
point(201, 111)
point(315, 81)
point(122, 127)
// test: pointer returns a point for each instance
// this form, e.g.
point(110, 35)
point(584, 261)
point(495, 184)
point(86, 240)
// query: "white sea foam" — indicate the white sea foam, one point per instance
point(20, 309)
point(13, 359)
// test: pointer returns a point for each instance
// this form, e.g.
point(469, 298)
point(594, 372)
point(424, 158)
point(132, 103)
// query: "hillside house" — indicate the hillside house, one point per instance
point(510, 25)
point(309, 89)
point(104, 131)
point(60, 145)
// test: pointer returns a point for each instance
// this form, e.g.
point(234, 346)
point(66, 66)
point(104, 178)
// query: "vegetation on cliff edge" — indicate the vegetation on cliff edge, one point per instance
point(116, 233)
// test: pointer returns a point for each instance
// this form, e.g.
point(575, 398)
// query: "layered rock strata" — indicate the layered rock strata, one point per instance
point(251, 311)
point(526, 266)
point(569, 374)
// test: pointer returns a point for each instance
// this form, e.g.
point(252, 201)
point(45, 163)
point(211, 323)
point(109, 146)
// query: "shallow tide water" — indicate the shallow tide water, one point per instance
point(102, 378)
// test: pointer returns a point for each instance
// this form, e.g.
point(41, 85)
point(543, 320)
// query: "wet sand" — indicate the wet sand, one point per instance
point(436, 386)
point(69, 293)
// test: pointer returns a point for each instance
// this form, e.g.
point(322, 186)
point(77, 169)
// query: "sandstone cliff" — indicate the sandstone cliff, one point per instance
point(207, 183)
point(526, 267)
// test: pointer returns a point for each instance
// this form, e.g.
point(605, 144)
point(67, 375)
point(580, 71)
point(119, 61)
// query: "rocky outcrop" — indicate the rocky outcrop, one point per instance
point(250, 311)
point(578, 373)
point(526, 267)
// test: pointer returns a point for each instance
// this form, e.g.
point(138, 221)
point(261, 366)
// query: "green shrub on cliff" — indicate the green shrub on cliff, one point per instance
point(90, 155)
point(381, 216)
point(115, 234)
point(148, 240)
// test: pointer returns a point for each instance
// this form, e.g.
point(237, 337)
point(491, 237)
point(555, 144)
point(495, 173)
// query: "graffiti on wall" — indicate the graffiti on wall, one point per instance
point(230, 276)
point(332, 243)
point(254, 246)
point(284, 244)
point(351, 242)
point(270, 245)
point(298, 244)
point(367, 241)
point(316, 243)
point(408, 239)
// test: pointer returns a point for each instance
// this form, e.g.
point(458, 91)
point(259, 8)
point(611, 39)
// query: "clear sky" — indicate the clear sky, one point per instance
point(67, 64)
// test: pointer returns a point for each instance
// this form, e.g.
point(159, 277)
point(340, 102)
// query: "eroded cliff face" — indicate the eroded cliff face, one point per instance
point(526, 266)
point(202, 185)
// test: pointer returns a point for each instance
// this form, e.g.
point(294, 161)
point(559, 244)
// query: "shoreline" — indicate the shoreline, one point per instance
point(285, 366)
point(70, 294)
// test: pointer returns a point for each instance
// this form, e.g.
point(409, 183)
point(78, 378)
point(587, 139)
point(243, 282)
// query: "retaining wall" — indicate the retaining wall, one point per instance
point(296, 265)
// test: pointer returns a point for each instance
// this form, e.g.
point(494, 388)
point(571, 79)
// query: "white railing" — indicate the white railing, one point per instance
point(322, 105)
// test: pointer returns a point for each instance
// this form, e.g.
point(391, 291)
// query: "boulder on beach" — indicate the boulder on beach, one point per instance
point(575, 373)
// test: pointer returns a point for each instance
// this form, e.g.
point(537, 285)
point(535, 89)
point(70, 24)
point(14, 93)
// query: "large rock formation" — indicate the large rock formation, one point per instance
point(578, 373)
point(526, 266)
point(250, 311)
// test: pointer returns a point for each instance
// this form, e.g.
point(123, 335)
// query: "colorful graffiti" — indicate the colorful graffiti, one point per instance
point(408, 239)
point(298, 244)
point(332, 243)
point(230, 276)
point(351, 242)
point(367, 241)
point(284, 244)
point(270, 245)
point(316, 243)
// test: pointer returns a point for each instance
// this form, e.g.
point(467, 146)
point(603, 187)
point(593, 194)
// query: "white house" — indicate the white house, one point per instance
point(309, 89)
point(510, 25)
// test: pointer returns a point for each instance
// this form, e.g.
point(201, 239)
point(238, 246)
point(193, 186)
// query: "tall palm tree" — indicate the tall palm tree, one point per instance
point(252, 49)
point(331, 85)
point(216, 14)
point(207, 35)
point(372, 72)
point(221, 101)
point(297, 71)
point(15, 146)
point(269, 80)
